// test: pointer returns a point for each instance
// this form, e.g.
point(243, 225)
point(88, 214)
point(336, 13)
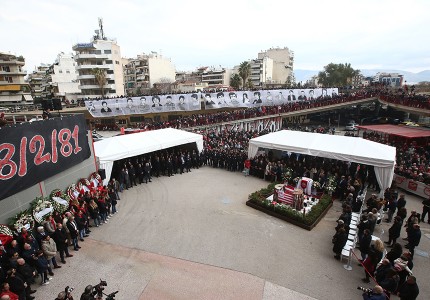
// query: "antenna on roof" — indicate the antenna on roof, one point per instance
point(101, 28)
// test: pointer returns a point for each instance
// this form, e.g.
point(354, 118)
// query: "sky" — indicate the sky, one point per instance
point(193, 33)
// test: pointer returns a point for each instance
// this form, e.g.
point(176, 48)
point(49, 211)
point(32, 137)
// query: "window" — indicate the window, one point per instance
point(112, 91)
point(111, 81)
point(68, 71)
point(108, 52)
point(8, 79)
point(60, 71)
point(109, 62)
point(117, 62)
point(109, 71)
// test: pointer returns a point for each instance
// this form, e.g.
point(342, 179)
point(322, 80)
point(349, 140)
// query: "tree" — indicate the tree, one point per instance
point(235, 81)
point(337, 75)
point(244, 72)
point(100, 76)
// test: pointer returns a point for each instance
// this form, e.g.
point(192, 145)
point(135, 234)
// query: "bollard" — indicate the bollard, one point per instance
point(348, 266)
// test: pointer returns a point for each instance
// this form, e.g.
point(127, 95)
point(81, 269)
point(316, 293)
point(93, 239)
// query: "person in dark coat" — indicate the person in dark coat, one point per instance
point(18, 285)
point(60, 238)
point(394, 231)
point(390, 282)
point(365, 242)
point(414, 237)
point(426, 209)
point(42, 267)
point(339, 241)
point(409, 290)
point(74, 233)
point(27, 273)
point(395, 252)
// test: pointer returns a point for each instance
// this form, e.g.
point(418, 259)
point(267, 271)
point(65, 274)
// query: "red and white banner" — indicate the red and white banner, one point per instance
point(412, 186)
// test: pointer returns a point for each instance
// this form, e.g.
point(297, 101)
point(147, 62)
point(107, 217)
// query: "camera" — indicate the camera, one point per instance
point(365, 290)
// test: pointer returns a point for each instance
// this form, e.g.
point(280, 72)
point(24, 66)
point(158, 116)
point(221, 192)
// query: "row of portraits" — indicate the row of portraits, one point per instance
point(192, 102)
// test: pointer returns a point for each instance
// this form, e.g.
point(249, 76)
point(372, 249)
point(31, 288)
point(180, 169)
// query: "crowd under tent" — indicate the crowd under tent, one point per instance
point(344, 148)
point(116, 148)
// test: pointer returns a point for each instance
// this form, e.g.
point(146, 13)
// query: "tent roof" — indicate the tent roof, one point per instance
point(403, 131)
point(123, 146)
point(324, 145)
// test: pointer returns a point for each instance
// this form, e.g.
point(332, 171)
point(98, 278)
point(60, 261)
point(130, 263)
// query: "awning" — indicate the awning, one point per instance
point(399, 130)
point(27, 97)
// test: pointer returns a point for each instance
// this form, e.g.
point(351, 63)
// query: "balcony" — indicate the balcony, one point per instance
point(88, 87)
point(82, 56)
point(13, 73)
point(89, 67)
point(80, 77)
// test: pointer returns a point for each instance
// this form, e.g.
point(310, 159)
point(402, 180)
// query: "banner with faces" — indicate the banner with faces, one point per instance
point(192, 102)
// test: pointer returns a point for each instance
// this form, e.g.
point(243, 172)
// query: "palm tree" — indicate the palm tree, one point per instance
point(244, 71)
point(235, 81)
point(100, 76)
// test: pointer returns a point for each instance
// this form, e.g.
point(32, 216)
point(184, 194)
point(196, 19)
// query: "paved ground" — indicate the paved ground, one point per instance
point(191, 236)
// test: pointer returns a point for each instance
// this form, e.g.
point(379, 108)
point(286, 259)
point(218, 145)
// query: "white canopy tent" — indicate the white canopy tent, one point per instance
point(344, 148)
point(129, 145)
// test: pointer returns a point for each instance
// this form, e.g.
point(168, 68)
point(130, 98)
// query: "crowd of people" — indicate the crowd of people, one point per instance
point(390, 270)
point(31, 256)
point(406, 97)
point(204, 119)
point(412, 158)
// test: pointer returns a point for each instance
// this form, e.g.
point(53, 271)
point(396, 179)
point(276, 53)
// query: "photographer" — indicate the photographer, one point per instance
point(66, 294)
point(377, 293)
point(88, 293)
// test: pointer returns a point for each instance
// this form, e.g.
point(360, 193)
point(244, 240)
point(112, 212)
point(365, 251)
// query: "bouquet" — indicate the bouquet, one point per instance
point(73, 192)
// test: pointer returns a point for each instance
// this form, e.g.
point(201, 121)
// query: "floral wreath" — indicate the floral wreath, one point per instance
point(59, 200)
point(96, 176)
point(21, 220)
point(41, 208)
point(71, 192)
point(5, 230)
point(316, 185)
point(84, 184)
point(287, 174)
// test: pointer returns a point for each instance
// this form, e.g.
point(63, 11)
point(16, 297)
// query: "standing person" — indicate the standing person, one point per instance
point(339, 241)
point(147, 172)
point(414, 237)
point(73, 229)
point(375, 255)
point(401, 202)
point(409, 290)
point(365, 242)
point(5, 291)
point(426, 210)
point(17, 285)
point(246, 166)
point(116, 187)
point(42, 267)
point(60, 238)
point(50, 250)
point(394, 231)
point(392, 206)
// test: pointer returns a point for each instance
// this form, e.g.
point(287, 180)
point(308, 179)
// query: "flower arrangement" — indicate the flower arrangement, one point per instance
point(316, 185)
point(84, 184)
point(59, 200)
point(73, 192)
point(331, 184)
point(22, 219)
point(5, 230)
point(96, 176)
point(41, 208)
point(288, 173)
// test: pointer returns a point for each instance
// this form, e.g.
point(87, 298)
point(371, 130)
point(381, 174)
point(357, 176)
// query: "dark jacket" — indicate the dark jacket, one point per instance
point(60, 237)
point(408, 291)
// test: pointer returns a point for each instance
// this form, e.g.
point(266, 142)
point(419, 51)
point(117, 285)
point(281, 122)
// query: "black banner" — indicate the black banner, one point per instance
point(32, 152)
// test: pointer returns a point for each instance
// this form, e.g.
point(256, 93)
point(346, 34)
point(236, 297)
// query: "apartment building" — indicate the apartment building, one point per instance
point(61, 79)
point(142, 72)
point(35, 80)
point(14, 91)
point(100, 54)
point(283, 63)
